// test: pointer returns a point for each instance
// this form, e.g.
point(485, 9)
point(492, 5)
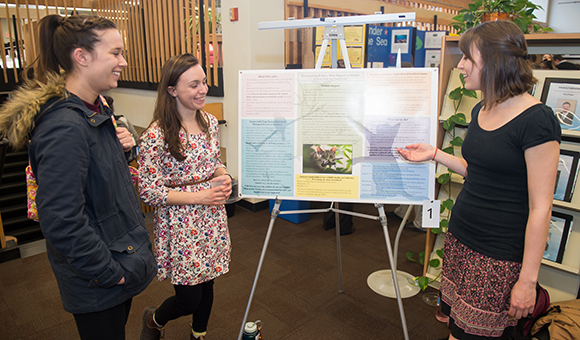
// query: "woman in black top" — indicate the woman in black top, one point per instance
point(499, 225)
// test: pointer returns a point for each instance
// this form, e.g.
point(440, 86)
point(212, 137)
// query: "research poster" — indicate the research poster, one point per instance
point(332, 134)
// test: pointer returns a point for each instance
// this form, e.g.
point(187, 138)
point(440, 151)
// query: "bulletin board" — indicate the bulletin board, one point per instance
point(332, 134)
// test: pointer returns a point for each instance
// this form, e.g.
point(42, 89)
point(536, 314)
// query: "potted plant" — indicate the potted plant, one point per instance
point(520, 12)
point(458, 118)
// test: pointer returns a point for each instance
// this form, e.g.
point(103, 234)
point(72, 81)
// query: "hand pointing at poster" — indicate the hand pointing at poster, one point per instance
point(422, 152)
point(419, 152)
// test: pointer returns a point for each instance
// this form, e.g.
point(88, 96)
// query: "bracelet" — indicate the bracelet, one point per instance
point(434, 154)
point(231, 178)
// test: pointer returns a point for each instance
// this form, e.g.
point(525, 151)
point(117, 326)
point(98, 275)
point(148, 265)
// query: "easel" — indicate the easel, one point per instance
point(382, 218)
point(334, 30)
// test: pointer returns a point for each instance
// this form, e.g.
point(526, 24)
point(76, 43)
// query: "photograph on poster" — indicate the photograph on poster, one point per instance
point(560, 226)
point(400, 38)
point(323, 158)
point(566, 176)
point(564, 111)
point(562, 95)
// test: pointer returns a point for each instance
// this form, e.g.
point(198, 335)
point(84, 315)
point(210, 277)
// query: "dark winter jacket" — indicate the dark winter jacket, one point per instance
point(88, 208)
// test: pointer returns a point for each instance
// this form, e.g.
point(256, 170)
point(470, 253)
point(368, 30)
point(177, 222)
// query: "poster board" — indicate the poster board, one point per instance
point(354, 38)
point(428, 48)
point(332, 134)
point(383, 44)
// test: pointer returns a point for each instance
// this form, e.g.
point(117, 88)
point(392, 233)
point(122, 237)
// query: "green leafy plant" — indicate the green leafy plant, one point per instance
point(520, 12)
point(422, 281)
point(457, 119)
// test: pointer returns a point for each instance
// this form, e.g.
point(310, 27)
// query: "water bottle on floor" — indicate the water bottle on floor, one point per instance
point(252, 331)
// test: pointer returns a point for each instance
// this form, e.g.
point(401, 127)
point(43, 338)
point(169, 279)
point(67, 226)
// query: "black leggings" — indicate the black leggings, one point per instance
point(106, 324)
point(196, 300)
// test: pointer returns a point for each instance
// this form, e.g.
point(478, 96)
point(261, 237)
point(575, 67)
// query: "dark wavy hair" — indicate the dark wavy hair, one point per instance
point(506, 71)
point(59, 36)
point(165, 113)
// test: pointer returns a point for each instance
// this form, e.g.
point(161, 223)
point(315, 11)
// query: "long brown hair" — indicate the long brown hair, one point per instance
point(58, 38)
point(166, 114)
point(506, 71)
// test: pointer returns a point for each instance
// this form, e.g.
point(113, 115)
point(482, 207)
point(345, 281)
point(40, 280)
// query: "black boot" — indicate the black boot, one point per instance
point(150, 330)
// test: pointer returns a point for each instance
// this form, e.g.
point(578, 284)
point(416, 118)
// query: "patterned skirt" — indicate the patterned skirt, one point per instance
point(475, 292)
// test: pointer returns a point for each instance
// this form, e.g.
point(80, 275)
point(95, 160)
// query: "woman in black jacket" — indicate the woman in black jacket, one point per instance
point(88, 209)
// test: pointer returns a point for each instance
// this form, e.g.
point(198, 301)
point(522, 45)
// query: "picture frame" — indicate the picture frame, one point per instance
point(560, 226)
point(566, 175)
point(563, 96)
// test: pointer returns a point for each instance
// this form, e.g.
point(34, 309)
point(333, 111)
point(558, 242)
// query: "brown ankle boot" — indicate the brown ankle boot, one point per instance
point(150, 331)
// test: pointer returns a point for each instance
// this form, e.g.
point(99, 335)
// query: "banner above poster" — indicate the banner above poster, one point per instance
point(331, 135)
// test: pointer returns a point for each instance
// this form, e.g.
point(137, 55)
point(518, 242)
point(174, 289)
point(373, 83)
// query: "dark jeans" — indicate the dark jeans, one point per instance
point(196, 300)
point(106, 324)
point(345, 220)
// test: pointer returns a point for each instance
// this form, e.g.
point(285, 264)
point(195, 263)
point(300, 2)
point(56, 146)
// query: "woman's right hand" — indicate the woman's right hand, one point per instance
point(212, 196)
point(419, 152)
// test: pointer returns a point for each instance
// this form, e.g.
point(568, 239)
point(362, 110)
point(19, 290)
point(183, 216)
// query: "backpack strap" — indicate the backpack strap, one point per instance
point(47, 106)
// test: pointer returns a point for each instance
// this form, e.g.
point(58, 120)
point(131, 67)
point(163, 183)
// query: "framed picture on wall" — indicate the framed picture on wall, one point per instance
point(560, 225)
point(566, 175)
point(563, 96)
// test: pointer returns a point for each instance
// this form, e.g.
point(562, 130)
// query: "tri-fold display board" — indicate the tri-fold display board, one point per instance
point(332, 134)
point(419, 48)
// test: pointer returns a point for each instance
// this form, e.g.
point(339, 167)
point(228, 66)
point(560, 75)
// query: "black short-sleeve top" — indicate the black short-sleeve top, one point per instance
point(491, 211)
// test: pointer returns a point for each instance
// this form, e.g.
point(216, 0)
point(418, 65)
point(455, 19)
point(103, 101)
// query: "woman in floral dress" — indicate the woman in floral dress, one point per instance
point(182, 176)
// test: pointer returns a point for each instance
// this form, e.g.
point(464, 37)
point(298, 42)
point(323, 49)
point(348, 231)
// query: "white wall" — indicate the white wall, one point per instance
point(244, 48)
point(247, 48)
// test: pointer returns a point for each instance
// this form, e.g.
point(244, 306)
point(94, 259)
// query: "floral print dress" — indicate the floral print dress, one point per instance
point(192, 242)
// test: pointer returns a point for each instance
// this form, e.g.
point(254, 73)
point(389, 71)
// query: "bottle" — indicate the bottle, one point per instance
point(252, 331)
point(438, 313)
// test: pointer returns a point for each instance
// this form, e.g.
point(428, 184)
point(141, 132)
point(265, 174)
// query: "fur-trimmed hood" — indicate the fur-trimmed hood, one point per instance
point(17, 115)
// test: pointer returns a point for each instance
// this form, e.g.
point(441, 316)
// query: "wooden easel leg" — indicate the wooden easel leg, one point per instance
point(2, 237)
point(9, 250)
point(429, 242)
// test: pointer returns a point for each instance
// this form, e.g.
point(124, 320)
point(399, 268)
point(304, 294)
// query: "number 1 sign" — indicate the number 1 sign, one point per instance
point(431, 213)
